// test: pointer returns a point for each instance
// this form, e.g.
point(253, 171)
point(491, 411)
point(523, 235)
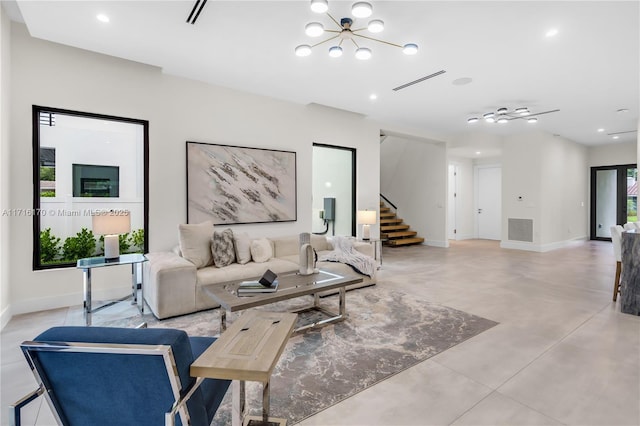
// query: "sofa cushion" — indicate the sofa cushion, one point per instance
point(261, 250)
point(242, 245)
point(195, 243)
point(237, 272)
point(222, 248)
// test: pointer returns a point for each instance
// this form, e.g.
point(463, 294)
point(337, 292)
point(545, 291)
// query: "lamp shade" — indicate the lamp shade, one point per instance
point(111, 222)
point(366, 217)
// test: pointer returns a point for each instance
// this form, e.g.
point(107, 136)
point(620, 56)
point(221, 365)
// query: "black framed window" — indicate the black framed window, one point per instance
point(614, 198)
point(334, 179)
point(85, 164)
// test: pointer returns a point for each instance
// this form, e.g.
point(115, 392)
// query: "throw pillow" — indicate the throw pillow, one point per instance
point(222, 248)
point(242, 244)
point(261, 250)
point(195, 243)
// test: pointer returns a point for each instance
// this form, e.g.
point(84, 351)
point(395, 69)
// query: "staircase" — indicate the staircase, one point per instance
point(393, 230)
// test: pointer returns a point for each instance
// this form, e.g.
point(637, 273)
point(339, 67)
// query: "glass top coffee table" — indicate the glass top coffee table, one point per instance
point(291, 285)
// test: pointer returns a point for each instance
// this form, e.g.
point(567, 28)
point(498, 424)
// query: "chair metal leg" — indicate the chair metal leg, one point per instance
point(17, 406)
point(616, 284)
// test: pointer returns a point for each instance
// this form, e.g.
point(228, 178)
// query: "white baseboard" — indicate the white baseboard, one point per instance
point(461, 237)
point(5, 316)
point(540, 248)
point(443, 244)
point(65, 300)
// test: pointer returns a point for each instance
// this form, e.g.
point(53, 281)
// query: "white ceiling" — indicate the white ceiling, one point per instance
point(589, 70)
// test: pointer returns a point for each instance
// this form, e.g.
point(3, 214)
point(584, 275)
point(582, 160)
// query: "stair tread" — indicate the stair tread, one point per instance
point(405, 241)
point(386, 214)
point(393, 220)
point(384, 228)
point(401, 234)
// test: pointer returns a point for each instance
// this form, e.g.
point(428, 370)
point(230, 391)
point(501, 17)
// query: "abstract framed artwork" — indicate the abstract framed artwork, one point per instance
point(233, 184)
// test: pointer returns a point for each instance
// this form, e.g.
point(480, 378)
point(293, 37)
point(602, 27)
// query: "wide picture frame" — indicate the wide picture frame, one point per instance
point(230, 185)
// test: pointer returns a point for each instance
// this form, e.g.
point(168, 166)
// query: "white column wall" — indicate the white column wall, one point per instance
point(414, 177)
point(178, 110)
point(5, 166)
point(551, 175)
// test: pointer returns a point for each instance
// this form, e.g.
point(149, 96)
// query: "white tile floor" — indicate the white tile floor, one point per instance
point(562, 353)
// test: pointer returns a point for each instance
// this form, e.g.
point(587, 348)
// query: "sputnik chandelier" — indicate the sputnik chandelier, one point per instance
point(504, 115)
point(346, 32)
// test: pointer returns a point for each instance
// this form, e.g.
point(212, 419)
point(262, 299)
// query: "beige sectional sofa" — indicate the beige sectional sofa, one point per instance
point(173, 285)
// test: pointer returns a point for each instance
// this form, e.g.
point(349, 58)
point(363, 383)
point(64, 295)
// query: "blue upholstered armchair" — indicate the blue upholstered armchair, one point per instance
point(121, 376)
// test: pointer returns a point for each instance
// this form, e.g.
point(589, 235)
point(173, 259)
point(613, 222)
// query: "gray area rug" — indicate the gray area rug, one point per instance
point(387, 332)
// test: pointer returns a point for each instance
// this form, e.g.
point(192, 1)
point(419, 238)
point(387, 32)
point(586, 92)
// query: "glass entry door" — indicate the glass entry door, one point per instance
point(614, 198)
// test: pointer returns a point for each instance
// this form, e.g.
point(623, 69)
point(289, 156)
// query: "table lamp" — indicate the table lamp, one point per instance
point(111, 224)
point(366, 218)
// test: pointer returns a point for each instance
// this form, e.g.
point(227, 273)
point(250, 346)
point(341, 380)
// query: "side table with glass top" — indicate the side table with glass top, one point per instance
point(377, 249)
point(87, 264)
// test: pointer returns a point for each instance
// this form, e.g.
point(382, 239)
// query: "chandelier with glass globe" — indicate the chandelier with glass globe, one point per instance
point(347, 33)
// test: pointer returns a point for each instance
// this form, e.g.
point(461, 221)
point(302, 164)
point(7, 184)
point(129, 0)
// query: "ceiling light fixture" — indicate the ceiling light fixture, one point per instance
point(345, 32)
point(600, 130)
point(314, 29)
point(503, 115)
point(319, 6)
point(102, 18)
point(373, 96)
point(361, 9)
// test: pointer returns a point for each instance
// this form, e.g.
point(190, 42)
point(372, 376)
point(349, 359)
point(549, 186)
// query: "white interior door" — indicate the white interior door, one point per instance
point(453, 172)
point(489, 206)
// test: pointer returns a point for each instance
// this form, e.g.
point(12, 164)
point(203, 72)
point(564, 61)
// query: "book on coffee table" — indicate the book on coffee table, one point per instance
point(255, 287)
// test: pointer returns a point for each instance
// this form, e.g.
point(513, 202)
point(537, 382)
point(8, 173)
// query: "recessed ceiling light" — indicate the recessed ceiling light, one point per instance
point(616, 137)
point(622, 111)
point(472, 120)
point(462, 81)
point(600, 130)
point(102, 17)
point(532, 120)
point(478, 153)
point(502, 120)
point(552, 32)
point(373, 96)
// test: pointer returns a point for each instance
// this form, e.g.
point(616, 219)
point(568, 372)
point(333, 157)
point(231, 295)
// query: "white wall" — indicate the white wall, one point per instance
point(5, 165)
point(551, 175)
point(178, 110)
point(414, 177)
point(613, 154)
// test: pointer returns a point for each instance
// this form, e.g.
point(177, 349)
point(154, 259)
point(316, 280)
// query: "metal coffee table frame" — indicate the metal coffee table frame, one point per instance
point(291, 285)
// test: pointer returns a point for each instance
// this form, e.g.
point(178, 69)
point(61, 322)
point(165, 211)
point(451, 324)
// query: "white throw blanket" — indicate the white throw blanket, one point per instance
point(344, 252)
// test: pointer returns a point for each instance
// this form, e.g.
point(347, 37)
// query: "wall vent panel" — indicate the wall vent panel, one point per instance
point(521, 230)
